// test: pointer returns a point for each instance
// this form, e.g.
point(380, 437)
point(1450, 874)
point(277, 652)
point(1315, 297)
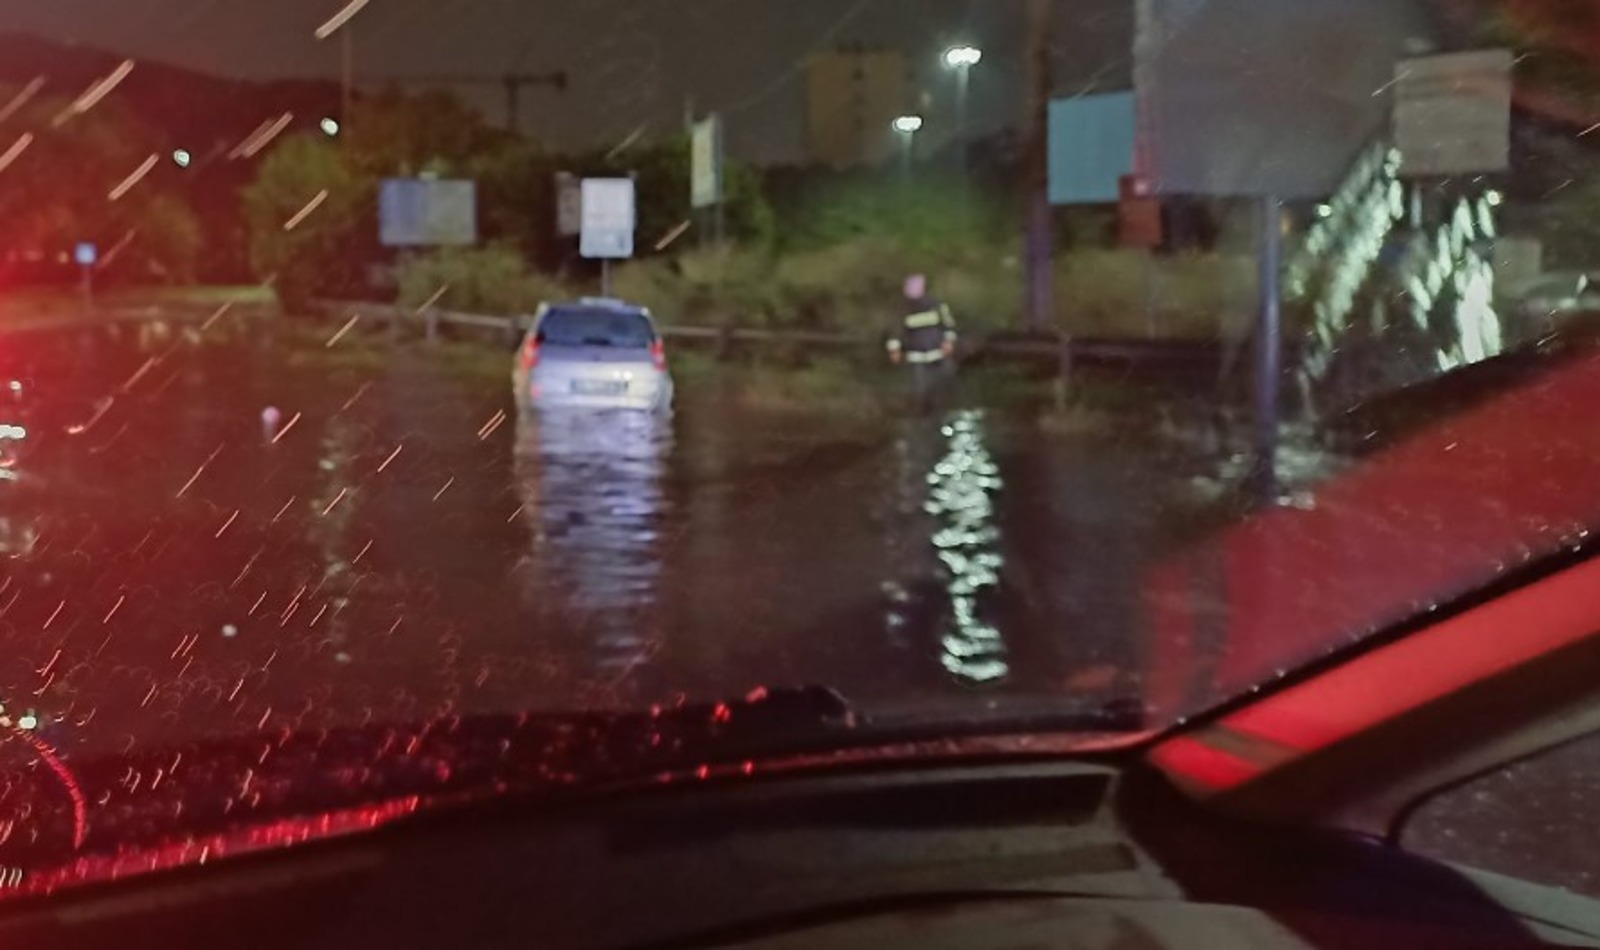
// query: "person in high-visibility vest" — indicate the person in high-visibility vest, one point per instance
point(925, 339)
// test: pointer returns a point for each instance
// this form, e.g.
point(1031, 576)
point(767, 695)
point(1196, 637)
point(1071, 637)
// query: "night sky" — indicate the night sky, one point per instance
point(633, 62)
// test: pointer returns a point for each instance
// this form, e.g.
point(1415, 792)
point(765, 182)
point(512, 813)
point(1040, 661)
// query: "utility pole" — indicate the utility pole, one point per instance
point(1039, 239)
point(347, 73)
point(1269, 350)
point(513, 104)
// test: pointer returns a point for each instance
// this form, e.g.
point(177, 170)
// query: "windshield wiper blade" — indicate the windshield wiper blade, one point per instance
point(92, 806)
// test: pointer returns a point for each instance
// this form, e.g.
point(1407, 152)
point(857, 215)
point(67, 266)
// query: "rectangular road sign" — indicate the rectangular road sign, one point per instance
point(609, 218)
point(705, 163)
point(1452, 113)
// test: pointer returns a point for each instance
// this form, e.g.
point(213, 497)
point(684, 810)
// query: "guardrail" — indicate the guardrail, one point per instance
point(1196, 359)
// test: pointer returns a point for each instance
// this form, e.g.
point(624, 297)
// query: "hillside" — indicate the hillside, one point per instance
point(193, 110)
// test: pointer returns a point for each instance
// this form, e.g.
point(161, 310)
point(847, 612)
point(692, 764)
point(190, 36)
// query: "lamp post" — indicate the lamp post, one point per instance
point(907, 127)
point(962, 59)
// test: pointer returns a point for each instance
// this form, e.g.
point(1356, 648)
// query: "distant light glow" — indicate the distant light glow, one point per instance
point(330, 126)
point(13, 432)
point(1324, 211)
point(1495, 199)
point(961, 57)
point(908, 124)
point(182, 158)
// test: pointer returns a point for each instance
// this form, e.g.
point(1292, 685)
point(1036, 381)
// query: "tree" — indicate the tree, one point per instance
point(923, 215)
point(312, 221)
point(167, 241)
point(61, 187)
point(1559, 73)
point(393, 134)
point(662, 173)
point(517, 200)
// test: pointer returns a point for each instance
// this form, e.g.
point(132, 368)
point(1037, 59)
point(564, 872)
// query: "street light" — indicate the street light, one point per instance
point(962, 59)
point(182, 158)
point(908, 124)
point(329, 126)
point(907, 127)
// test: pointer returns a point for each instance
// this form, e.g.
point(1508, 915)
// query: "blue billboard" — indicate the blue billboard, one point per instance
point(1091, 147)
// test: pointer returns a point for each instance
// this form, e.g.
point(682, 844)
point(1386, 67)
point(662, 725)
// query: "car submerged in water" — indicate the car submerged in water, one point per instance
point(594, 353)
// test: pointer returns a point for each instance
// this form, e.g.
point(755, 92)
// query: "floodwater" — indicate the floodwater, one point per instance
point(247, 531)
point(254, 531)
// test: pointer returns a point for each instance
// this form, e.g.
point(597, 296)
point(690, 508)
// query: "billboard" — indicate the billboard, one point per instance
point(608, 218)
point(1091, 147)
point(705, 163)
point(1452, 114)
point(427, 212)
point(1242, 98)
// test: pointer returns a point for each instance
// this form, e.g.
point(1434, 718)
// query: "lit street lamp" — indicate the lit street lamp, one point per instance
point(329, 126)
point(907, 127)
point(908, 124)
point(962, 59)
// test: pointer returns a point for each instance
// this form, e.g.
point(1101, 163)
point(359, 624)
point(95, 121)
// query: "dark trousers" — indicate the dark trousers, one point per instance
point(927, 381)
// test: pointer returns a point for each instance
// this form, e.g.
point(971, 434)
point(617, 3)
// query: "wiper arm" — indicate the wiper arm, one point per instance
point(218, 788)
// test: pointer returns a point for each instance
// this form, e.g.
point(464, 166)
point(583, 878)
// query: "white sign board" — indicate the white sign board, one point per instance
point(608, 218)
point(705, 163)
point(426, 212)
point(1452, 113)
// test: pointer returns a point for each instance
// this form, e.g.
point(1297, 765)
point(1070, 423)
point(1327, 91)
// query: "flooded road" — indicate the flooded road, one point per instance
point(253, 531)
point(247, 532)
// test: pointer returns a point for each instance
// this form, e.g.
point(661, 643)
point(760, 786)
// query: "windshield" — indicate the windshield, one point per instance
point(591, 327)
point(1046, 366)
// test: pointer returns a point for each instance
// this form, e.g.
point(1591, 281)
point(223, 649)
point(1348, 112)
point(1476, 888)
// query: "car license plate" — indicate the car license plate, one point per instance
point(599, 387)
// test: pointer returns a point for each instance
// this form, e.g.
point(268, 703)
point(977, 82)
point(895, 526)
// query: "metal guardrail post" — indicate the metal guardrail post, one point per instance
point(1063, 383)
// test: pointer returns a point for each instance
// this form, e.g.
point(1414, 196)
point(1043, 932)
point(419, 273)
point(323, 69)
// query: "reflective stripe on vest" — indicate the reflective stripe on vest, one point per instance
point(924, 320)
point(924, 356)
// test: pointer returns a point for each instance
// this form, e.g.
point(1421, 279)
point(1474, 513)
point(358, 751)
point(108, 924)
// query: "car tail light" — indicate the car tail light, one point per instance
point(658, 355)
point(529, 357)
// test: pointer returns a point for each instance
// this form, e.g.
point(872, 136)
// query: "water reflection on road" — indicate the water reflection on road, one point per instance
point(961, 491)
point(944, 543)
point(593, 499)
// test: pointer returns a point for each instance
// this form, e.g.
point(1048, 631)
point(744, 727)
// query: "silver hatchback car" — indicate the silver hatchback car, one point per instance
point(597, 353)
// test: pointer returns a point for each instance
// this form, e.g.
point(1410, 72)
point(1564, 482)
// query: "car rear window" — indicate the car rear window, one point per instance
point(591, 326)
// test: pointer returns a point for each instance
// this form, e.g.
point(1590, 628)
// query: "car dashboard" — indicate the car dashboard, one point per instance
point(1052, 853)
